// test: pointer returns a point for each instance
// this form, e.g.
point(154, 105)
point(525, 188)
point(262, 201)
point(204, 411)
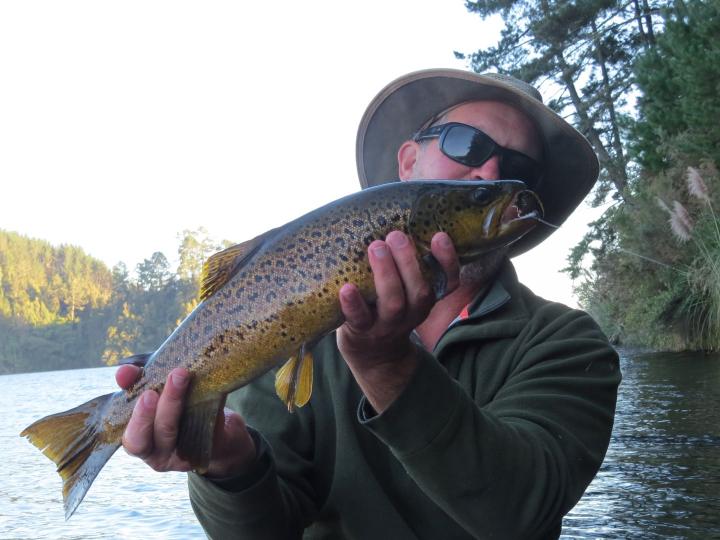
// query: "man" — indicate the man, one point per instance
point(485, 414)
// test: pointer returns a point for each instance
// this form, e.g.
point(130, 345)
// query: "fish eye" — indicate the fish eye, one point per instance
point(481, 195)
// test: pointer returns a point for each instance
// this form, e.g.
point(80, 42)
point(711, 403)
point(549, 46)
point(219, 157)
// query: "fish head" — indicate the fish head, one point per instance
point(479, 216)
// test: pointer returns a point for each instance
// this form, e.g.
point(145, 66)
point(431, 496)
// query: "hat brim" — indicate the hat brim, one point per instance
point(570, 166)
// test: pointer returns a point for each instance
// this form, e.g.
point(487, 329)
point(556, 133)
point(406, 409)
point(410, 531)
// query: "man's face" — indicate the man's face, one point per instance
point(506, 125)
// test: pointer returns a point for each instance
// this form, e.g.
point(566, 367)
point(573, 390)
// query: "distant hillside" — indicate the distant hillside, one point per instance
point(60, 308)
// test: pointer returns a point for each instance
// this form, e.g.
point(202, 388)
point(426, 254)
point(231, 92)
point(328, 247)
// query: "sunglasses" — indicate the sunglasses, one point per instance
point(471, 147)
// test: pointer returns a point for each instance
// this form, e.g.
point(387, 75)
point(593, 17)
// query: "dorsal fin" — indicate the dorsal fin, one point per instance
point(223, 265)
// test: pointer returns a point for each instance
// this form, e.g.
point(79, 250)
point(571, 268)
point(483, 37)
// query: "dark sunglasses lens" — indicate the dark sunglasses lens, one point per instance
point(518, 166)
point(467, 145)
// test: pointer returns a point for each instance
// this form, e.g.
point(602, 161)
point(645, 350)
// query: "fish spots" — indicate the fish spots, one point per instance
point(270, 296)
point(236, 310)
point(382, 221)
point(300, 288)
point(258, 278)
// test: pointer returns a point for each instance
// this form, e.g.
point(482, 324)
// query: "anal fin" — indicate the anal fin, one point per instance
point(293, 381)
point(195, 435)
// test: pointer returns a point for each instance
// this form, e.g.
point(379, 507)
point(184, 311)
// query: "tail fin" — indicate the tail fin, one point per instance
point(73, 440)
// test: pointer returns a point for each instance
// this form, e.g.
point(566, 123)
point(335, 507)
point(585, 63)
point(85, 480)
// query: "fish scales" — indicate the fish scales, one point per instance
point(274, 295)
point(280, 320)
point(243, 322)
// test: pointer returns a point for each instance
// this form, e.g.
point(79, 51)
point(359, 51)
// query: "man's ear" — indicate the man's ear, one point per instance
point(407, 157)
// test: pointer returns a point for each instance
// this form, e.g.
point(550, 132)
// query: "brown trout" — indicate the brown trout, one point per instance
point(270, 299)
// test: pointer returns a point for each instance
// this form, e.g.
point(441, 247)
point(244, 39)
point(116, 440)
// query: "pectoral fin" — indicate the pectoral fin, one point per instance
point(293, 381)
point(195, 436)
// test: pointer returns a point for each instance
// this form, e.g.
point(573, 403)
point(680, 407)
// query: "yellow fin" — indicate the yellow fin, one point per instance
point(77, 442)
point(222, 266)
point(293, 381)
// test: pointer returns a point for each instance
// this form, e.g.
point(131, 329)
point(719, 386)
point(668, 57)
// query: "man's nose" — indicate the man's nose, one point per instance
point(490, 170)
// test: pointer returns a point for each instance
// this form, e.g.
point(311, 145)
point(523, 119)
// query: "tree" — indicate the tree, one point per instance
point(195, 247)
point(652, 287)
point(586, 49)
point(153, 273)
point(122, 336)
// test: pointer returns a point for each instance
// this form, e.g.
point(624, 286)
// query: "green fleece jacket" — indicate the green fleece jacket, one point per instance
point(497, 435)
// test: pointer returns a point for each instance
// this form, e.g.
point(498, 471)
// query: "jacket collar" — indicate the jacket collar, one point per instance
point(485, 311)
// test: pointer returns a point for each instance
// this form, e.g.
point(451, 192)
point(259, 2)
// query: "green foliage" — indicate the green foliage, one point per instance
point(195, 247)
point(60, 308)
point(651, 265)
point(42, 284)
point(584, 51)
point(679, 108)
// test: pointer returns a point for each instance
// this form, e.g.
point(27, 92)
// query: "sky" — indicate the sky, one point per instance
point(124, 123)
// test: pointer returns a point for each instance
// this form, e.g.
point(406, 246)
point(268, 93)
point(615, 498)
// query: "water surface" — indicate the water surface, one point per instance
point(660, 480)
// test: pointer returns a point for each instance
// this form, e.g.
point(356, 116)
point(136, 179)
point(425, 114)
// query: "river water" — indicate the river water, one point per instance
point(660, 480)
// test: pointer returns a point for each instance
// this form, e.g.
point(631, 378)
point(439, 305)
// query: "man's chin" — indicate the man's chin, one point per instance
point(479, 273)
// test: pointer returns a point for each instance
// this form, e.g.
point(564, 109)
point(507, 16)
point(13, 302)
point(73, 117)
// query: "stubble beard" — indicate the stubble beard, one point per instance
point(480, 273)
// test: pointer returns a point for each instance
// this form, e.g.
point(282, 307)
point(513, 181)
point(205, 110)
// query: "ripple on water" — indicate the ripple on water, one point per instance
point(660, 479)
point(661, 476)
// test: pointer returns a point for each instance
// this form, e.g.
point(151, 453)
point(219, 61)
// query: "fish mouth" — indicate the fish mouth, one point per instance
point(525, 206)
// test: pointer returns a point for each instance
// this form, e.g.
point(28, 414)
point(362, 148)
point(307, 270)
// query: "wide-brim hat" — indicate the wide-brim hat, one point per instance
point(570, 166)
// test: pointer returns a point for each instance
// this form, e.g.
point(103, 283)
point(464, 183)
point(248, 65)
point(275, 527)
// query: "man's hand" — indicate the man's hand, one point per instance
point(151, 433)
point(375, 340)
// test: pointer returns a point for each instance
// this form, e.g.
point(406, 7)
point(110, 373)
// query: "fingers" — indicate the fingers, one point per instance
point(169, 410)
point(355, 310)
point(139, 433)
point(399, 282)
point(391, 301)
point(126, 376)
point(151, 433)
point(443, 250)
